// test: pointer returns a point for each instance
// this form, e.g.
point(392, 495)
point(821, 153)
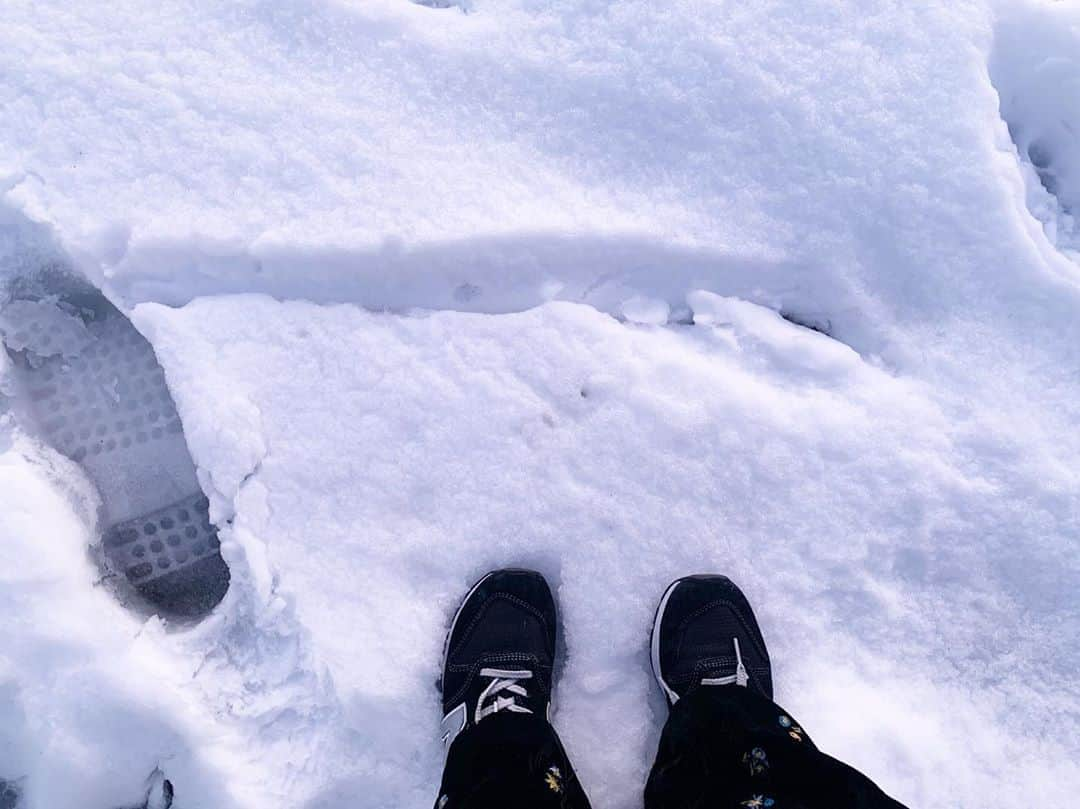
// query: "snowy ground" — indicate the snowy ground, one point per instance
point(439, 291)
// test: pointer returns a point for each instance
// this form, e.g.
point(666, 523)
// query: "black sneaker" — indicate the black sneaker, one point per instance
point(705, 634)
point(500, 651)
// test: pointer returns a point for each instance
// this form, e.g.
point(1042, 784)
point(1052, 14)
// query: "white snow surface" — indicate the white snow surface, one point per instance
point(439, 290)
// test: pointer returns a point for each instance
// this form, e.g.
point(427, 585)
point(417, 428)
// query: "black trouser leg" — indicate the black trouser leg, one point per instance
point(509, 760)
point(725, 746)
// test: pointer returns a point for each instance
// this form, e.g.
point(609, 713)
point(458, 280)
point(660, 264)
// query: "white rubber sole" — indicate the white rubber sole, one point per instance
point(655, 642)
point(457, 615)
point(455, 721)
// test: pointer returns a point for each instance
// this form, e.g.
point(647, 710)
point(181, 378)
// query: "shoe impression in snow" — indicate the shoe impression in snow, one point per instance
point(725, 742)
point(90, 385)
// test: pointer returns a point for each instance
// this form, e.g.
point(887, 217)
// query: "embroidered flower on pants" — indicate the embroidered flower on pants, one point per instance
point(756, 761)
point(794, 731)
point(758, 802)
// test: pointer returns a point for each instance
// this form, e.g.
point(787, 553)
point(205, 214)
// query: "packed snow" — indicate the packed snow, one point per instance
point(619, 291)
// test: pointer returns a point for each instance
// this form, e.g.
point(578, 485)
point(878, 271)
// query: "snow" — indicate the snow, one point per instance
point(1037, 72)
point(62, 333)
point(786, 290)
point(647, 311)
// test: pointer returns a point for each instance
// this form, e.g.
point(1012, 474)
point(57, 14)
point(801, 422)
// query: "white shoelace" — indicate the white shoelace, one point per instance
point(740, 677)
point(503, 681)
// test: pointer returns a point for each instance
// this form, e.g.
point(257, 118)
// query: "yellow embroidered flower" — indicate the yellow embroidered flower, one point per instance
point(553, 779)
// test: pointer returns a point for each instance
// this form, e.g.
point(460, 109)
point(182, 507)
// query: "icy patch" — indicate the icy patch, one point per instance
point(1036, 70)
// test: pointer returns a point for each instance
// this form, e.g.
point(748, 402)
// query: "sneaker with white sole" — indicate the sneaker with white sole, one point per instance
point(705, 634)
point(500, 651)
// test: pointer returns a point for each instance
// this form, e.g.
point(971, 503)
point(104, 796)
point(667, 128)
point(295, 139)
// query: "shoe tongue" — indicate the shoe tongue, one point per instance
point(722, 649)
point(715, 658)
point(715, 663)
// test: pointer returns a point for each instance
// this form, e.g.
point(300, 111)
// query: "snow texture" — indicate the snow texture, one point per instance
point(438, 290)
point(1036, 68)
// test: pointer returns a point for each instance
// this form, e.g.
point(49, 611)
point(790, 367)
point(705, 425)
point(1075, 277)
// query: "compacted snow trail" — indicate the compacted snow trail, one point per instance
point(518, 282)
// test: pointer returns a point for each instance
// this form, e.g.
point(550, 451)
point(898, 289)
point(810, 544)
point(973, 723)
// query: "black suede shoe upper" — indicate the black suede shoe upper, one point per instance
point(704, 626)
point(507, 623)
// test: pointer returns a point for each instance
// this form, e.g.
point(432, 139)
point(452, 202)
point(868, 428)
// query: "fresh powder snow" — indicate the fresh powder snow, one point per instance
point(619, 291)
